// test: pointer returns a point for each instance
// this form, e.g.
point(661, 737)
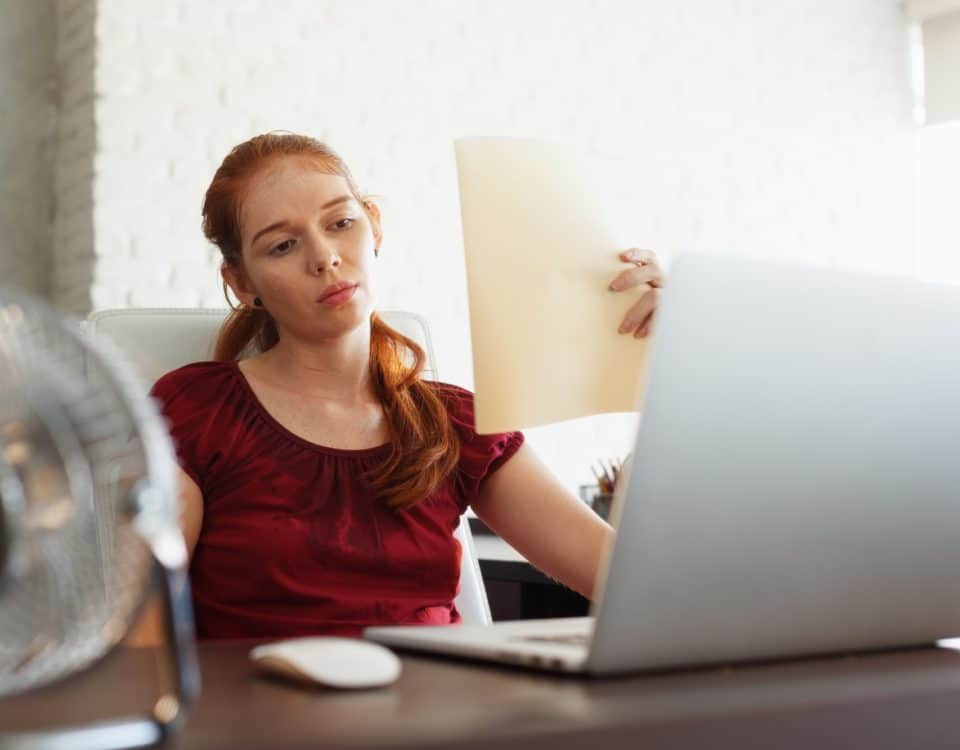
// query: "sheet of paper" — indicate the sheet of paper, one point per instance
point(540, 254)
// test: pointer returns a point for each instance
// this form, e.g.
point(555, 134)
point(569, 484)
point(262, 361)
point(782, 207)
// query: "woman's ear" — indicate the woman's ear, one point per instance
point(235, 279)
point(373, 212)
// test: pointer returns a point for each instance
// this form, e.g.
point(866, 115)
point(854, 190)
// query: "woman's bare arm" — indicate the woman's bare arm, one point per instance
point(528, 507)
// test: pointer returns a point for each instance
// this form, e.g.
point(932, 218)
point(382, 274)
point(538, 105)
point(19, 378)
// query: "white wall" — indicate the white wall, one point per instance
point(938, 201)
point(778, 129)
point(28, 94)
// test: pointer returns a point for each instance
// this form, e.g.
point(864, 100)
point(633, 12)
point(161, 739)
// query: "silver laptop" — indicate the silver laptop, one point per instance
point(795, 488)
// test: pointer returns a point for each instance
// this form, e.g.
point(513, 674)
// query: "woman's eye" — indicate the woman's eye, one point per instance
point(281, 248)
point(343, 223)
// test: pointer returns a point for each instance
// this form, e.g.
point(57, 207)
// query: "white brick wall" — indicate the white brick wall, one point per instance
point(77, 138)
point(27, 105)
point(780, 129)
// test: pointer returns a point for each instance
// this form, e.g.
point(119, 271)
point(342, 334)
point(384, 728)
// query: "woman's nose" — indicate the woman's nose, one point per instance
point(321, 257)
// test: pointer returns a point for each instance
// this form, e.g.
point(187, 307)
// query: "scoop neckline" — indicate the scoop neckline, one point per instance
point(277, 426)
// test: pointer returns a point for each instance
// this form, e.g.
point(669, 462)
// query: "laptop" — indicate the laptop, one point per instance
point(795, 486)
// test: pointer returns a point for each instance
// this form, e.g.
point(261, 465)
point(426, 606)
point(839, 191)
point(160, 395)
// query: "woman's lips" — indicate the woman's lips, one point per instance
point(339, 297)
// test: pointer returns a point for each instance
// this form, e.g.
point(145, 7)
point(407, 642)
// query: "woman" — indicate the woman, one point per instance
point(322, 478)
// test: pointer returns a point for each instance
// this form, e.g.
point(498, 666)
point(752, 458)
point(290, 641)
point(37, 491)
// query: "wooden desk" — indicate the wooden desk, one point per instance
point(908, 699)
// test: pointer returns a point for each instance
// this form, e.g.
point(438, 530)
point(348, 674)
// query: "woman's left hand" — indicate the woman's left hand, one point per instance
point(644, 269)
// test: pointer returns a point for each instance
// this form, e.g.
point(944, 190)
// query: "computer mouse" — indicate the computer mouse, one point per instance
point(335, 662)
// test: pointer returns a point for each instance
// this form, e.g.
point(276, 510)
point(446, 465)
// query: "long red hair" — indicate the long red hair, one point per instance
point(425, 449)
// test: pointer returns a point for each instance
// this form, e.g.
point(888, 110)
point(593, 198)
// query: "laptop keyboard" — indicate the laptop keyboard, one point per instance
point(569, 639)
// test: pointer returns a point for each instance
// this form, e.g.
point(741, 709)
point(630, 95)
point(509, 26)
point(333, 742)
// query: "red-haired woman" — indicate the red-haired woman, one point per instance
point(322, 477)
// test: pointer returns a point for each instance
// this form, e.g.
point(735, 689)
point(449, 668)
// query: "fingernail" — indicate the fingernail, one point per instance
point(615, 285)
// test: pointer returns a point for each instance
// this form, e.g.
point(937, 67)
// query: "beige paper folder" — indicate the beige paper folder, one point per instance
point(540, 255)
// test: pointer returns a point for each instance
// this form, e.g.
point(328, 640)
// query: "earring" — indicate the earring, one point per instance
point(257, 302)
point(376, 252)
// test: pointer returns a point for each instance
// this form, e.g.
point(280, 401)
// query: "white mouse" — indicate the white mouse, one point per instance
point(333, 662)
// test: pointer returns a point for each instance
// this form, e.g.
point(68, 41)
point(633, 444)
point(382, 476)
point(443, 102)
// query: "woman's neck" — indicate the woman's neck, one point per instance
point(336, 370)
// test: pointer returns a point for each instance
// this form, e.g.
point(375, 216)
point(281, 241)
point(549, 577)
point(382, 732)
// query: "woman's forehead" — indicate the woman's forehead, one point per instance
point(292, 186)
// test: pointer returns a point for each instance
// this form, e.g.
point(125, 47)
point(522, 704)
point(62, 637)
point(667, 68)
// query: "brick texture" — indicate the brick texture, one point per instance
point(28, 100)
point(74, 179)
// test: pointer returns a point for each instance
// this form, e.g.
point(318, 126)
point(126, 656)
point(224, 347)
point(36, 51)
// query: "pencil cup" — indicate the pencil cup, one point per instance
point(597, 500)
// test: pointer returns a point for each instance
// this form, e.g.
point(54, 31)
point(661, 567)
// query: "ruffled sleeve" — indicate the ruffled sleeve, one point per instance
point(187, 398)
point(480, 455)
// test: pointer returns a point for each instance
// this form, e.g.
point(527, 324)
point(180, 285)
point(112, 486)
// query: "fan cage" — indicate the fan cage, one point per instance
point(78, 441)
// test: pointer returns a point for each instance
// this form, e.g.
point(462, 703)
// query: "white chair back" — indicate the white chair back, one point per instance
point(157, 340)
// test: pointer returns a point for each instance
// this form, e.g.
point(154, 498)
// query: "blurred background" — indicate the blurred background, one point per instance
point(823, 131)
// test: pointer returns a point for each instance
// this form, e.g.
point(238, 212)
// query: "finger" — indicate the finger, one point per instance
point(636, 255)
point(644, 330)
point(641, 310)
point(644, 258)
point(636, 276)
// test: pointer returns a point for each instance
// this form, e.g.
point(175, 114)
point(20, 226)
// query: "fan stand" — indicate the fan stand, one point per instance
point(178, 665)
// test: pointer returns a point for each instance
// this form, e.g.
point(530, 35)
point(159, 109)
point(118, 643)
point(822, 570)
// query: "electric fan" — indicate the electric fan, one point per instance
point(88, 521)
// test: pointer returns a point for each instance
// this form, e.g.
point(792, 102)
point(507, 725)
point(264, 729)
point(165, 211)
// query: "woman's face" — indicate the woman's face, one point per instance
point(307, 247)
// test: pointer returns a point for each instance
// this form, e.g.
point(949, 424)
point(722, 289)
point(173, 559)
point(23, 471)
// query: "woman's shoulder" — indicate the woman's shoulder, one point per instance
point(449, 390)
point(196, 377)
point(480, 455)
point(458, 400)
point(460, 406)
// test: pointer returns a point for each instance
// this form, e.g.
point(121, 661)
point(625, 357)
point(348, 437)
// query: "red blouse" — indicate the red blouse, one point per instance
point(293, 540)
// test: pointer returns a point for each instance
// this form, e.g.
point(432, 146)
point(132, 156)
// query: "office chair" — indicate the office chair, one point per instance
point(157, 340)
